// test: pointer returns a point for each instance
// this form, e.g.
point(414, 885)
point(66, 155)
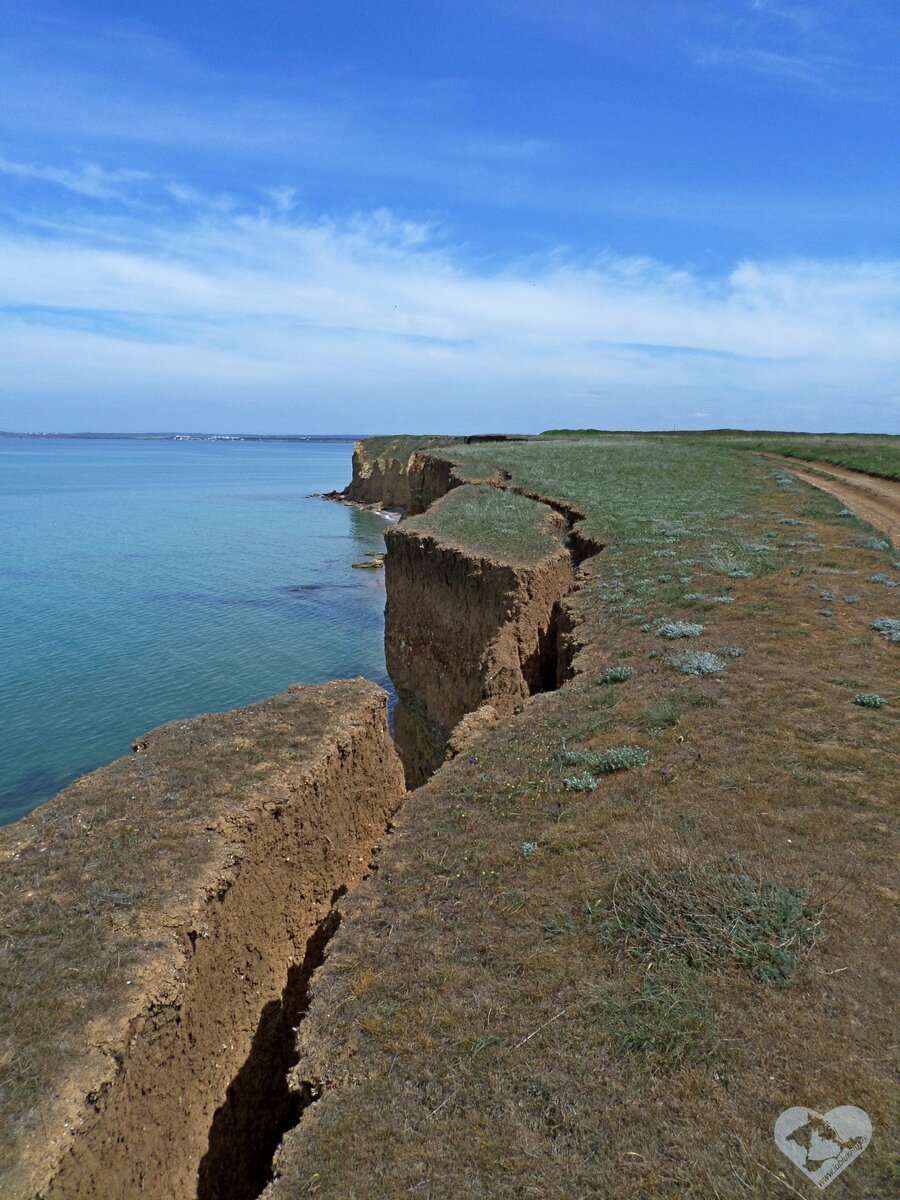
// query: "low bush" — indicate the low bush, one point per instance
point(619, 758)
point(888, 627)
point(698, 662)
point(869, 700)
point(679, 629)
point(616, 675)
point(585, 782)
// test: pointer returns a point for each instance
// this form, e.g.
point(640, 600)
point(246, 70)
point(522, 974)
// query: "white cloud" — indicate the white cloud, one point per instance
point(89, 180)
point(378, 313)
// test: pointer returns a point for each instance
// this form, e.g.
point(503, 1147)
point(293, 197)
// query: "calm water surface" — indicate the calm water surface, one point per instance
point(142, 582)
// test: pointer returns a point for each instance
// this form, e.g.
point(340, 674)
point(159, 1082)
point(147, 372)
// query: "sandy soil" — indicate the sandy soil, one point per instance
point(875, 500)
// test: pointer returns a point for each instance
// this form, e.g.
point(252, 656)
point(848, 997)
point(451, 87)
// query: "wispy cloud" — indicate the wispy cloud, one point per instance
point(89, 179)
point(809, 46)
point(382, 311)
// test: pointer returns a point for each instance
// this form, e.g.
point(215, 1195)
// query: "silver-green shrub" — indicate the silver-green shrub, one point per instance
point(698, 662)
point(616, 674)
point(679, 629)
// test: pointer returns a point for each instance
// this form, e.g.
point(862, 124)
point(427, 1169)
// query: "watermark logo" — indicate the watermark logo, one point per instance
point(820, 1146)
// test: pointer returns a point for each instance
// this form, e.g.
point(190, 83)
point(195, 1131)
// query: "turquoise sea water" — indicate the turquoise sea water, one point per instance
point(142, 582)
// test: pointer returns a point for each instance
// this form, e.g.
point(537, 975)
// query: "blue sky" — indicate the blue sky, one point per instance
point(323, 215)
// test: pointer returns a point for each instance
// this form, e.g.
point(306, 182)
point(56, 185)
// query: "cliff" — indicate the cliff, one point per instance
point(471, 618)
point(382, 471)
point(403, 473)
point(160, 919)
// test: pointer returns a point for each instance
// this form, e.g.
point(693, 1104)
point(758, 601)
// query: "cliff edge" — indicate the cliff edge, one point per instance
point(161, 918)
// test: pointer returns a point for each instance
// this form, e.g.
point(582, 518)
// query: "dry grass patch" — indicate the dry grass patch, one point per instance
point(688, 949)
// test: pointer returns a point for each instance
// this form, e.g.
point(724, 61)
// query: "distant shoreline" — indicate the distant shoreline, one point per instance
point(187, 437)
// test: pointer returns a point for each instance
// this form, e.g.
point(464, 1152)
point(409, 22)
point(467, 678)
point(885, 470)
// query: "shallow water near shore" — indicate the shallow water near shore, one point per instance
point(145, 581)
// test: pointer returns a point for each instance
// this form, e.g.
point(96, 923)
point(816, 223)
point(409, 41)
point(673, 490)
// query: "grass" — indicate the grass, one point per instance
point(602, 1014)
point(670, 1020)
point(660, 714)
point(875, 454)
point(401, 446)
point(709, 915)
point(767, 796)
point(492, 522)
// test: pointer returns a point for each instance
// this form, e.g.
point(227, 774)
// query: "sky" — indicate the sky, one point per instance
point(372, 216)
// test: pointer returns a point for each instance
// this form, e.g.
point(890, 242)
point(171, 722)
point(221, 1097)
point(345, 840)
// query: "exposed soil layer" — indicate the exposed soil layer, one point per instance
point(398, 472)
point(508, 1035)
point(874, 499)
point(203, 870)
point(463, 630)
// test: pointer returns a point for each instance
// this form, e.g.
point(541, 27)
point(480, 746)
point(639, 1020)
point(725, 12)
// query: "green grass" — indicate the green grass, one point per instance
point(491, 521)
point(635, 491)
point(670, 1019)
point(401, 446)
point(713, 917)
point(876, 454)
point(660, 714)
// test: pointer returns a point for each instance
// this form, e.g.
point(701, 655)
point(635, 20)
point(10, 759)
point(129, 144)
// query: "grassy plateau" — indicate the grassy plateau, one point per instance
point(607, 946)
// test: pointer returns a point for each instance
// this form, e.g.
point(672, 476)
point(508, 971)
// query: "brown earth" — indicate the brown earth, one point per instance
point(464, 629)
point(874, 499)
point(161, 918)
point(486, 1054)
point(457, 1027)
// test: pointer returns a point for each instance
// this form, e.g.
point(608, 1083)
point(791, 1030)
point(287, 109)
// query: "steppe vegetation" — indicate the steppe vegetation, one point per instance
point(490, 521)
point(571, 980)
point(876, 454)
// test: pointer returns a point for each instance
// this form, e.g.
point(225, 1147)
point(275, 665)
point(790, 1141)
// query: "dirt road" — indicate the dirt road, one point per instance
point(875, 500)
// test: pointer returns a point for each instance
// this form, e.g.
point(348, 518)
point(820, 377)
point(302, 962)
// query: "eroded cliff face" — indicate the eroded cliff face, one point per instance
point(379, 480)
point(465, 633)
point(238, 831)
point(464, 630)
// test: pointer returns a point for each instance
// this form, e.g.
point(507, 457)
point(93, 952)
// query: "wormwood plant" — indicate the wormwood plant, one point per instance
point(869, 700)
point(698, 662)
point(875, 543)
point(679, 629)
point(616, 675)
point(585, 782)
point(709, 917)
point(885, 579)
point(619, 758)
point(888, 627)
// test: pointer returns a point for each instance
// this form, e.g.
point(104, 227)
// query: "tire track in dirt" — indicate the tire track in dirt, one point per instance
point(875, 500)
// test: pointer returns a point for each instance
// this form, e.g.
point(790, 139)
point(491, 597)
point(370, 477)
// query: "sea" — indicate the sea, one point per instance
point(144, 581)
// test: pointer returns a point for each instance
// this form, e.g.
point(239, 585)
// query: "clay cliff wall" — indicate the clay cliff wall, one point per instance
point(170, 909)
point(465, 630)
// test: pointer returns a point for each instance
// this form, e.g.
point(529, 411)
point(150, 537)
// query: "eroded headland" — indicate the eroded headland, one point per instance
point(638, 899)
